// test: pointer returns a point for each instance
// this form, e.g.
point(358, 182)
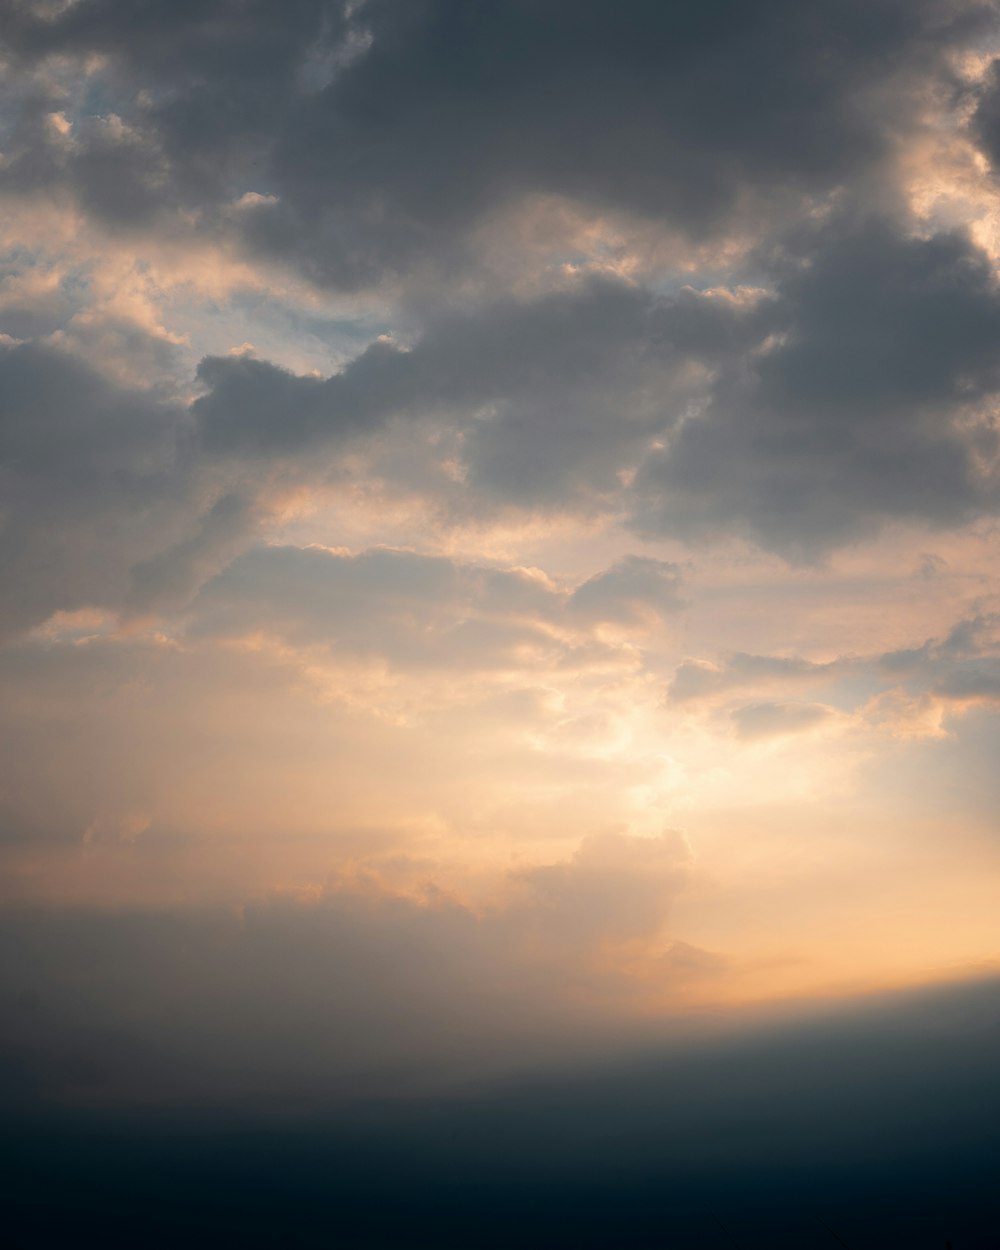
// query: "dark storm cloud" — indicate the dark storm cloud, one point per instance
point(870, 404)
point(384, 135)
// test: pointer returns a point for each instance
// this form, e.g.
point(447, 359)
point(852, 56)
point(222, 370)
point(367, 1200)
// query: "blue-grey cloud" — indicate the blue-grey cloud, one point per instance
point(379, 135)
point(955, 673)
point(630, 590)
point(872, 402)
point(470, 615)
point(95, 474)
point(773, 720)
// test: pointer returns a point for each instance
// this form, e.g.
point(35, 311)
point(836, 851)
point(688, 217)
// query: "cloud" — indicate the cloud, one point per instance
point(614, 889)
point(635, 588)
point(33, 301)
point(377, 137)
point(857, 392)
point(985, 121)
point(412, 609)
point(910, 691)
point(419, 610)
point(699, 679)
point(962, 667)
point(772, 720)
point(550, 398)
point(320, 997)
point(96, 475)
point(171, 109)
point(321, 701)
point(872, 402)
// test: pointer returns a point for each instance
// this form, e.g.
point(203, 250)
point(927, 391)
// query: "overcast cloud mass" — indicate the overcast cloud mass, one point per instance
point(500, 620)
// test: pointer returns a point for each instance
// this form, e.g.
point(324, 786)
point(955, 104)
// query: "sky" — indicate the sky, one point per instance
point(500, 617)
